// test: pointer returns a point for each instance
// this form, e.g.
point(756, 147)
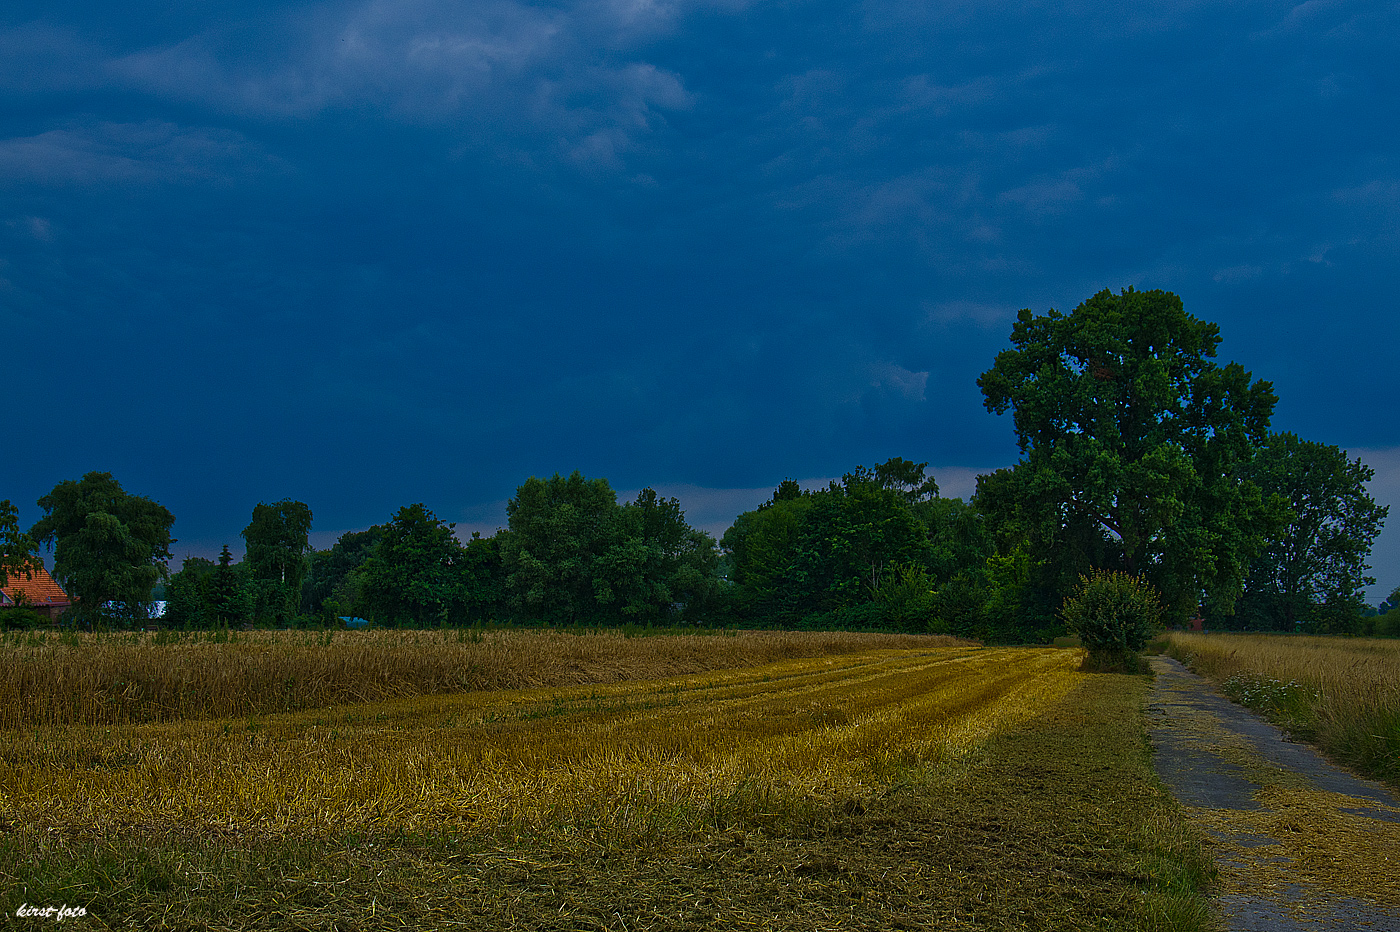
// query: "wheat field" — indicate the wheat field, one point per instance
point(48, 678)
point(764, 781)
point(627, 757)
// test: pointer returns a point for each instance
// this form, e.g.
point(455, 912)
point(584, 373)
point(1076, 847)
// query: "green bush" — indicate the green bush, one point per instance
point(1115, 615)
point(21, 617)
point(907, 596)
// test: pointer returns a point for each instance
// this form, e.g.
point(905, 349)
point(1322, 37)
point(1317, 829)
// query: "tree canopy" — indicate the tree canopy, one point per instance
point(276, 558)
point(1133, 441)
point(109, 546)
point(574, 555)
point(1314, 568)
point(858, 547)
point(19, 554)
point(413, 573)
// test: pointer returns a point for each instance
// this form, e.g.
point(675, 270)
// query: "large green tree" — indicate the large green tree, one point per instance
point(331, 586)
point(228, 596)
point(573, 555)
point(19, 554)
point(760, 545)
point(855, 535)
point(1133, 442)
point(1313, 570)
point(560, 530)
point(414, 575)
point(656, 564)
point(109, 546)
point(187, 594)
point(276, 560)
point(803, 554)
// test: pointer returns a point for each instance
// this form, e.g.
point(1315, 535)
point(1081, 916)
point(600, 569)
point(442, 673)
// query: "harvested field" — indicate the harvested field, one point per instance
point(47, 678)
point(873, 790)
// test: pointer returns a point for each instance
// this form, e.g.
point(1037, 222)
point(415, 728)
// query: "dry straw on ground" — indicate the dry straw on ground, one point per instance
point(51, 679)
point(634, 758)
point(929, 788)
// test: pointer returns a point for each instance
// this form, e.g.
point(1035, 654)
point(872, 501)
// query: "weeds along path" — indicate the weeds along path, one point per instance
point(1301, 844)
point(625, 757)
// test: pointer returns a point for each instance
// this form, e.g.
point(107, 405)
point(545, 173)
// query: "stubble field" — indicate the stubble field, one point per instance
point(928, 785)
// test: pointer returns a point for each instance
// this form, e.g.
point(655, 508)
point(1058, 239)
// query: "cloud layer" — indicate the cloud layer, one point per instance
point(379, 251)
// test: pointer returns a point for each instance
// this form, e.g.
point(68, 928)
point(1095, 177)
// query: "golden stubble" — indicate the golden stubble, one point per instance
point(640, 756)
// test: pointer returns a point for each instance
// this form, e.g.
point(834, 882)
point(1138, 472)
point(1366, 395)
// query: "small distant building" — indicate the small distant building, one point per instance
point(351, 621)
point(41, 593)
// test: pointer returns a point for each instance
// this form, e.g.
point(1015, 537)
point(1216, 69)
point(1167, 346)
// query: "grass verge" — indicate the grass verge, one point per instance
point(1341, 694)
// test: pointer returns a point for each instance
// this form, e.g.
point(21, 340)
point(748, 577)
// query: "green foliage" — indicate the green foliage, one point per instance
point(413, 576)
point(906, 479)
point(1113, 613)
point(19, 554)
point(760, 545)
point(1133, 441)
point(825, 553)
point(228, 598)
point(109, 546)
point(482, 577)
point(907, 597)
point(661, 564)
point(560, 530)
point(574, 556)
point(1312, 572)
point(21, 617)
point(331, 586)
point(276, 559)
point(852, 536)
point(187, 594)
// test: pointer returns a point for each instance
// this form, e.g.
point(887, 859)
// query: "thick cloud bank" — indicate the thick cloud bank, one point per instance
point(367, 253)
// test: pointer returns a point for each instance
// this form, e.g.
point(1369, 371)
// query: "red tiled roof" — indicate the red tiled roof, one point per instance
point(41, 590)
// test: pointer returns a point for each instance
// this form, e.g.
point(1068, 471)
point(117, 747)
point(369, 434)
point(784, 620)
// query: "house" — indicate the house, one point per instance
point(40, 593)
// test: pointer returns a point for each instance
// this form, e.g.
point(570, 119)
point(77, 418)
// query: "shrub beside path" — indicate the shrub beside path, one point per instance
point(1300, 843)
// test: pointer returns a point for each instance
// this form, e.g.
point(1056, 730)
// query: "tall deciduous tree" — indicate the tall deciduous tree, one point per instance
point(761, 545)
point(560, 529)
point(656, 562)
point(109, 546)
point(1133, 441)
point(18, 551)
point(330, 578)
point(276, 557)
point(186, 594)
point(414, 574)
point(1319, 559)
point(809, 553)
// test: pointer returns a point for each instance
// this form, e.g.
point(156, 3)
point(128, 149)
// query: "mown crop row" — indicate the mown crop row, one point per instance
point(872, 790)
point(52, 679)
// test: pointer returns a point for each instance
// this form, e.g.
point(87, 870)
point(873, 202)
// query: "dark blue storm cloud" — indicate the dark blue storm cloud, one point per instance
point(369, 253)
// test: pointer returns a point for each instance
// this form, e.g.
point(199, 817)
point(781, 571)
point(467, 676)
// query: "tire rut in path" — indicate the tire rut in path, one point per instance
point(1300, 843)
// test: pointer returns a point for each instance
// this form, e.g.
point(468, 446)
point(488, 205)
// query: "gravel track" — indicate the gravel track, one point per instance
point(1300, 843)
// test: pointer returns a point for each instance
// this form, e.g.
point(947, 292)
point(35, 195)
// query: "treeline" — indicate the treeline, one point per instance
point(877, 551)
point(572, 555)
point(1141, 456)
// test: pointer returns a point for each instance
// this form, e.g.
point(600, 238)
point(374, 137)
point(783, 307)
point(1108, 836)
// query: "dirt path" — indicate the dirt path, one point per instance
point(1300, 843)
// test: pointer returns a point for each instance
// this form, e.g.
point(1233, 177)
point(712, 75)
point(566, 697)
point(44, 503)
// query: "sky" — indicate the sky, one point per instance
point(364, 253)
